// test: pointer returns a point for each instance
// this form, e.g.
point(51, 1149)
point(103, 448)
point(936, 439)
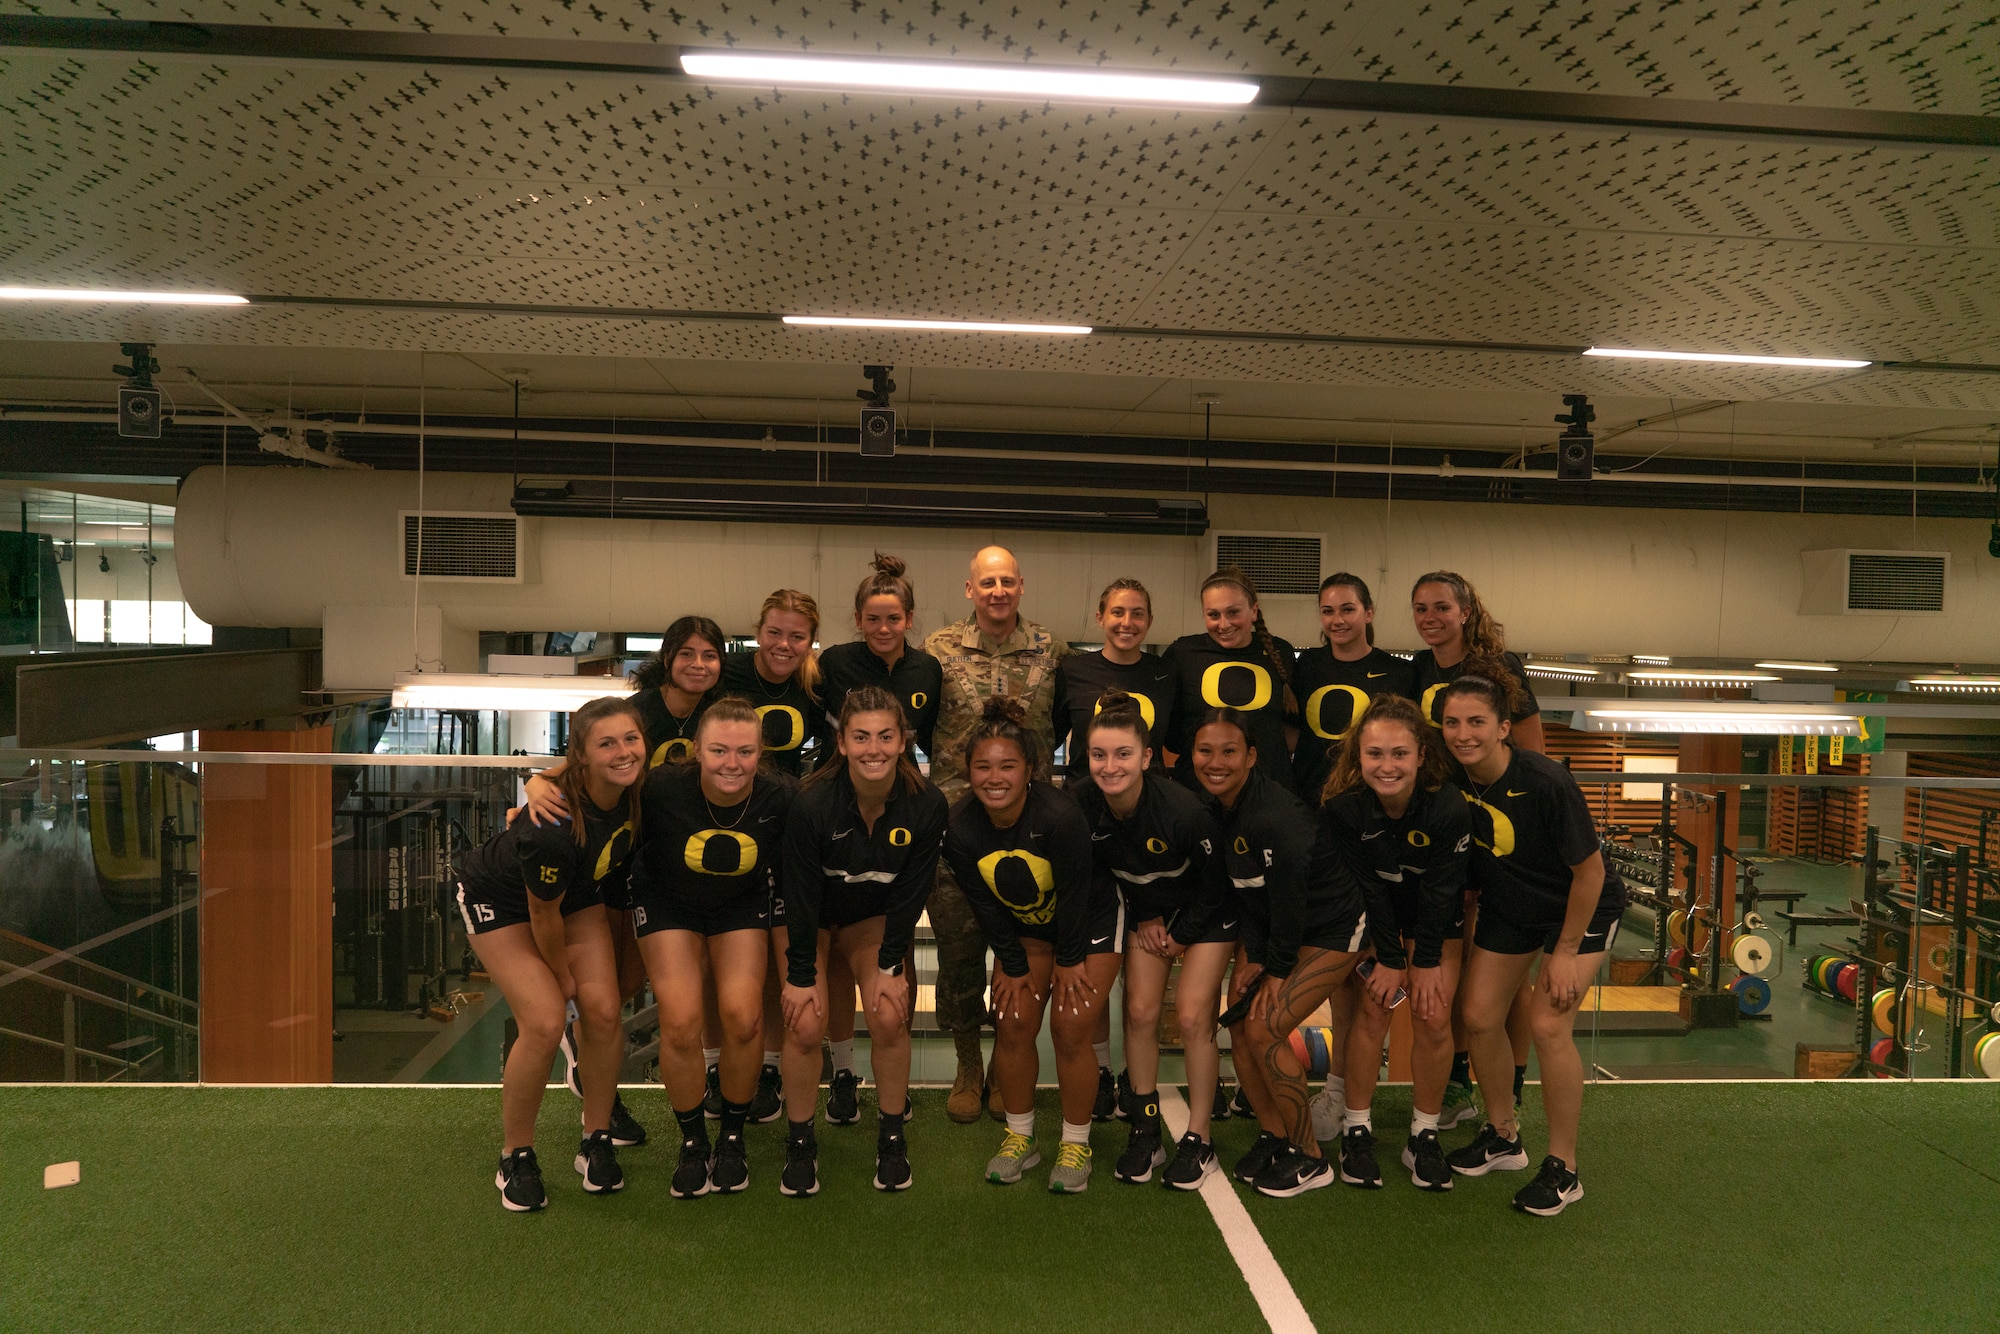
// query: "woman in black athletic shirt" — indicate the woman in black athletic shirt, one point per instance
point(1302, 929)
point(1124, 615)
point(703, 891)
point(1544, 889)
point(1158, 841)
point(780, 677)
point(1236, 663)
point(1460, 638)
point(1406, 835)
point(861, 854)
point(532, 898)
point(1020, 849)
point(1336, 679)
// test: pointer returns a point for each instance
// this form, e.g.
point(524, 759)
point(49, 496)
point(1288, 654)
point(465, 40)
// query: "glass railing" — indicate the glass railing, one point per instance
point(245, 917)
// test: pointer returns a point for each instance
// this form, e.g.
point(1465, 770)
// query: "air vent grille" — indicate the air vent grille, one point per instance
point(1895, 583)
point(1280, 563)
point(461, 546)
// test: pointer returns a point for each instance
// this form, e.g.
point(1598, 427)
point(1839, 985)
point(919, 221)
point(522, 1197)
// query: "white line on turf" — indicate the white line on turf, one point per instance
point(1282, 1309)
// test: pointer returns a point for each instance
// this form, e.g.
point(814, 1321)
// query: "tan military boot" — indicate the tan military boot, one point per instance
point(966, 1089)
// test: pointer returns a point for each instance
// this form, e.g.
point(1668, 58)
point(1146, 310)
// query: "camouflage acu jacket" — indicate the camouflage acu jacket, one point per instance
point(1023, 664)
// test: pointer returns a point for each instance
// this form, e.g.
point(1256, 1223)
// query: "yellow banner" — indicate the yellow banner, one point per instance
point(1784, 754)
point(1835, 750)
point(1812, 753)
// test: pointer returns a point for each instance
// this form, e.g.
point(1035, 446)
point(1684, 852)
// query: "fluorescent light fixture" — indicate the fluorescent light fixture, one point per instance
point(516, 694)
point(941, 326)
point(1652, 660)
point(97, 294)
point(643, 643)
point(1941, 684)
point(1715, 720)
point(1730, 358)
point(1562, 671)
point(1798, 666)
point(924, 76)
point(1687, 676)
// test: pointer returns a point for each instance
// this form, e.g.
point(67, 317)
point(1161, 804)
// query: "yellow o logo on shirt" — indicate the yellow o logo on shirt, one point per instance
point(918, 699)
point(720, 852)
point(1211, 686)
point(1503, 829)
point(1156, 846)
point(1242, 846)
point(612, 854)
point(1028, 890)
point(795, 729)
point(672, 752)
point(1419, 839)
point(1316, 704)
point(899, 837)
point(1145, 709)
point(1430, 697)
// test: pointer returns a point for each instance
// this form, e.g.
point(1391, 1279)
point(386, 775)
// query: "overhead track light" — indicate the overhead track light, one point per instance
point(1984, 685)
point(1798, 666)
point(1730, 358)
point(515, 694)
point(941, 326)
point(1653, 659)
point(1691, 677)
point(1562, 671)
point(1717, 720)
point(924, 76)
point(106, 294)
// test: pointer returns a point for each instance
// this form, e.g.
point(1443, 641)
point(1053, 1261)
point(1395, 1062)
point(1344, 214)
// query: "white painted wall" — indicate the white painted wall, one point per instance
point(282, 546)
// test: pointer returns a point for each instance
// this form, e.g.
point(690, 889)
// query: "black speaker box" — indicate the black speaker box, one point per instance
point(878, 433)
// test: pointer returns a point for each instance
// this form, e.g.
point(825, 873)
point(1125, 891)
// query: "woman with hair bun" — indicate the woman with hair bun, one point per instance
point(1020, 851)
point(1235, 663)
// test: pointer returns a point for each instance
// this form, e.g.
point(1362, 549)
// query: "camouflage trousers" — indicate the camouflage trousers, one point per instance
point(961, 954)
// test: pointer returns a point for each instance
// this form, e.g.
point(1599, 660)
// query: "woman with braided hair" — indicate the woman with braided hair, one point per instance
point(1235, 663)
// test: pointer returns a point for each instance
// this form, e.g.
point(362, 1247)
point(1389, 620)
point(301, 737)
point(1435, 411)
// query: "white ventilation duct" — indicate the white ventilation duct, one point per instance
point(291, 547)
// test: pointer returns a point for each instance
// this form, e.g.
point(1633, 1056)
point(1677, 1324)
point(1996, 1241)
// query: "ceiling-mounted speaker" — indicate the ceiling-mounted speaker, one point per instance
point(878, 433)
point(1576, 457)
point(139, 414)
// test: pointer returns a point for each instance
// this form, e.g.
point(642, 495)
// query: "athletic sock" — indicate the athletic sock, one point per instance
point(888, 1124)
point(711, 1057)
point(771, 1058)
point(800, 1131)
point(1520, 1078)
point(735, 1115)
point(843, 1055)
point(694, 1124)
point(1422, 1121)
point(1103, 1050)
point(1357, 1116)
point(1075, 1134)
point(1022, 1123)
point(1461, 1068)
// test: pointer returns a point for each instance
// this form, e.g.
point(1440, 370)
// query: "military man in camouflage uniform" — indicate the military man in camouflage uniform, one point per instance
point(992, 652)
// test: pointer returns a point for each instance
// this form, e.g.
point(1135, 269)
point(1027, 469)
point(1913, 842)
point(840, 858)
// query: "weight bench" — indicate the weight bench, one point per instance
point(1795, 920)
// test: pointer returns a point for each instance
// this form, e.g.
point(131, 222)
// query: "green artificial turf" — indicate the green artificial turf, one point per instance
point(1782, 1205)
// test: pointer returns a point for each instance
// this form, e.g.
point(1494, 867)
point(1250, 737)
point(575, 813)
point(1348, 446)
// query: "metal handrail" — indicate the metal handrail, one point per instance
point(10, 971)
point(186, 1002)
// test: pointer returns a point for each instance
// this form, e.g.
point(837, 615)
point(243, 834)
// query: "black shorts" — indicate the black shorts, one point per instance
point(1407, 912)
point(1496, 933)
point(618, 896)
point(663, 912)
point(1344, 932)
point(1107, 926)
point(485, 912)
point(1224, 927)
point(844, 905)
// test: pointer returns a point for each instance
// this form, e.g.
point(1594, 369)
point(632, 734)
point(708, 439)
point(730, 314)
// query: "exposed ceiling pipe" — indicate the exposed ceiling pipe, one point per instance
point(287, 438)
point(434, 430)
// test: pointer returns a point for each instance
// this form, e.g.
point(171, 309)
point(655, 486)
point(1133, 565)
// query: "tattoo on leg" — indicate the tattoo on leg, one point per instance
point(1311, 982)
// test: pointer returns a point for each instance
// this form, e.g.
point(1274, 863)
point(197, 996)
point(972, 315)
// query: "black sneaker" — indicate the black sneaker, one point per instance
point(1488, 1152)
point(1221, 1111)
point(625, 1132)
point(843, 1100)
point(1357, 1158)
point(1424, 1156)
point(766, 1105)
point(1142, 1153)
point(1126, 1108)
point(572, 1074)
point(691, 1174)
point(1554, 1189)
point(892, 1163)
point(1240, 1104)
point(1194, 1163)
point(801, 1174)
point(730, 1171)
point(597, 1163)
point(1107, 1095)
point(1293, 1173)
point(711, 1101)
point(520, 1182)
point(1252, 1164)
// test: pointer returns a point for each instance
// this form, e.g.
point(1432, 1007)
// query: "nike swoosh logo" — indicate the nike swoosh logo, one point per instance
point(1512, 793)
point(1373, 675)
point(1099, 940)
point(842, 834)
point(1229, 925)
point(766, 819)
point(1376, 834)
point(1099, 838)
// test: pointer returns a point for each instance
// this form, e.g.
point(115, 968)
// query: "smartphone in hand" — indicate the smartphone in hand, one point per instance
point(1367, 966)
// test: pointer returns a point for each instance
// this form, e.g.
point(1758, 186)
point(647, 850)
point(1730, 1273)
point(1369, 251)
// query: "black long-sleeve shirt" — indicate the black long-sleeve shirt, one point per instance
point(917, 680)
point(1411, 870)
point(830, 850)
point(1166, 852)
point(1283, 865)
point(1032, 878)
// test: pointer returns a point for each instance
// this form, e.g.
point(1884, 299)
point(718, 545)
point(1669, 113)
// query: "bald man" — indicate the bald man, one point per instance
point(992, 652)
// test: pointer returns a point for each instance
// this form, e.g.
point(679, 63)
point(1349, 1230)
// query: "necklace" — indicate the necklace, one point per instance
point(1479, 793)
point(764, 687)
point(742, 809)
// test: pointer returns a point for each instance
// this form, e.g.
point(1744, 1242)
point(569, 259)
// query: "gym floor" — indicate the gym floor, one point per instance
point(1760, 1204)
